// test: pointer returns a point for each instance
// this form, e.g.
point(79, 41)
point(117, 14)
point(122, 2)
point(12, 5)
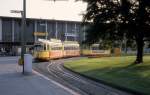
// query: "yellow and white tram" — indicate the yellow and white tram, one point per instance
point(53, 49)
point(94, 51)
point(71, 48)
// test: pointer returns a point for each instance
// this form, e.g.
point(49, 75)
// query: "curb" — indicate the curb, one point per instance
point(108, 83)
point(56, 83)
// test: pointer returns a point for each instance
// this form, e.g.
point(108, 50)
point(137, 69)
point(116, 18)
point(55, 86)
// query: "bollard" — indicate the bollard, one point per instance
point(27, 64)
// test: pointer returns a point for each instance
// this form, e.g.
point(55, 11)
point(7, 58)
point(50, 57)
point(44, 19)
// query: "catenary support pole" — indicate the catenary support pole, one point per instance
point(23, 48)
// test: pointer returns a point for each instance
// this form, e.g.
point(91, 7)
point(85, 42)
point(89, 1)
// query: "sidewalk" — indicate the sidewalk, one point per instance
point(12, 82)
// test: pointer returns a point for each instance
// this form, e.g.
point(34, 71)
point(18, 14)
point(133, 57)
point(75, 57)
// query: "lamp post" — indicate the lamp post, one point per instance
point(23, 15)
point(23, 51)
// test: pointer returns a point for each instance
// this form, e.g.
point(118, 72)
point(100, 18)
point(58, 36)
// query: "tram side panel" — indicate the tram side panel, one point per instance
point(43, 55)
point(86, 52)
point(71, 51)
point(54, 54)
point(101, 53)
point(95, 53)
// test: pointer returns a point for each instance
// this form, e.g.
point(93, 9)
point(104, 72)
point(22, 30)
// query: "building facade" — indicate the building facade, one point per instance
point(10, 32)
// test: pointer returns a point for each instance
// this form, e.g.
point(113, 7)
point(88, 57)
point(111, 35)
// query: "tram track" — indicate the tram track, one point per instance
point(82, 85)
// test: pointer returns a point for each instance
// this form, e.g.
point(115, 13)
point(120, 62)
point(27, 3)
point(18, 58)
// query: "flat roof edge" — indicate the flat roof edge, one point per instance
point(39, 19)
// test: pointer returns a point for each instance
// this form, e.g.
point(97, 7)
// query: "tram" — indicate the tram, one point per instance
point(71, 48)
point(54, 49)
point(94, 51)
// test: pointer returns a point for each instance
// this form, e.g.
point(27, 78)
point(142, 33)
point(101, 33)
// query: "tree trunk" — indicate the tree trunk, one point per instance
point(140, 35)
point(140, 45)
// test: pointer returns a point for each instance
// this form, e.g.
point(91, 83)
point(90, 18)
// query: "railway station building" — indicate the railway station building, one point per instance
point(10, 32)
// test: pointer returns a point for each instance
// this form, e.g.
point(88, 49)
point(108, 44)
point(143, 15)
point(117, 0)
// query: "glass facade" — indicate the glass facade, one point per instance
point(51, 29)
point(60, 30)
point(41, 28)
point(29, 31)
point(6, 30)
point(0, 30)
point(45, 29)
point(36, 28)
point(17, 30)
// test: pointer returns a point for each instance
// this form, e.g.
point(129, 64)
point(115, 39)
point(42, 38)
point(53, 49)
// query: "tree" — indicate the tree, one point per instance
point(113, 19)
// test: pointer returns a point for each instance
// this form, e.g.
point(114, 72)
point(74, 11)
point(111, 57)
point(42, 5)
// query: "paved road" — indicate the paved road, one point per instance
point(9, 60)
point(54, 70)
point(12, 82)
point(8, 65)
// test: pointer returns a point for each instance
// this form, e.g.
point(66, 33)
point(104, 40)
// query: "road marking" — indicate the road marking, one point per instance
point(56, 83)
point(5, 60)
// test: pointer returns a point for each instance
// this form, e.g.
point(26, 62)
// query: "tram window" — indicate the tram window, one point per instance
point(71, 48)
point(48, 47)
point(76, 48)
point(44, 47)
point(67, 48)
point(56, 48)
point(38, 47)
point(95, 48)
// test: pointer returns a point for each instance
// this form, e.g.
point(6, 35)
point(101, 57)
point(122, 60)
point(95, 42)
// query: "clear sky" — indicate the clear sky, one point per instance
point(45, 9)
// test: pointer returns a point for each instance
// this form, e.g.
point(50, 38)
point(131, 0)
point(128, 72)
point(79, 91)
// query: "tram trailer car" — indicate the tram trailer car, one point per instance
point(54, 49)
point(71, 49)
point(94, 51)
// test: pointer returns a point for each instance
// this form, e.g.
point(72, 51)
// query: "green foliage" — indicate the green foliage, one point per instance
point(115, 19)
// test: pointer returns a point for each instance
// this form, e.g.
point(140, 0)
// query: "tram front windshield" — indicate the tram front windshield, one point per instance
point(38, 47)
point(95, 48)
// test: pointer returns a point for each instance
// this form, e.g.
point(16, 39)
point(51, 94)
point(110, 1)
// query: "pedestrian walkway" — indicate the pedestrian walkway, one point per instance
point(12, 82)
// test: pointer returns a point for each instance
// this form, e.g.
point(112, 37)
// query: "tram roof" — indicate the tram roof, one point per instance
point(71, 43)
point(55, 40)
point(97, 45)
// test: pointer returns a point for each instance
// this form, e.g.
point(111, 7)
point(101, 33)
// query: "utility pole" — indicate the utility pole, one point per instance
point(23, 43)
point(56, 33)
point(66, 31)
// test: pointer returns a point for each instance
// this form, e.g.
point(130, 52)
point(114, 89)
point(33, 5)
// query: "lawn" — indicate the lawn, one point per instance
point(116, 70)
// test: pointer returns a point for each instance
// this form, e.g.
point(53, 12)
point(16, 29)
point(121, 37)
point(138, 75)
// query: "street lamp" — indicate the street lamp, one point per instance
point(16, 11)
point(23, 15)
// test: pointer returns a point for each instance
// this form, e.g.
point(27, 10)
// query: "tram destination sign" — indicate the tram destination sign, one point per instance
point(40, 33)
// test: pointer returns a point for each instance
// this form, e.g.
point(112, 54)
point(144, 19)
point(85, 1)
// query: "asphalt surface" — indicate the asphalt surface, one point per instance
point(13, 82)
point(55, 71)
